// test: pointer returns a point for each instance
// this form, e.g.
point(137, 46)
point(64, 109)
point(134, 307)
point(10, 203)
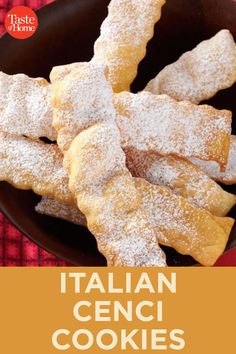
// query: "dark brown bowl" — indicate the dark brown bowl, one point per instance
point(66, 33)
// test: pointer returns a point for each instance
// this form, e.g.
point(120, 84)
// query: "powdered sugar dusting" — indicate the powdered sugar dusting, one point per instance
point(95, 163)
point(28, 164)
point(180, 225)
point(213, 170)
point(123, 39)
point(51, 207)
point(183, 178)
point(25, 107)
point(158, 123)
point(188, 229)
point(201, 73)
point(86, 99)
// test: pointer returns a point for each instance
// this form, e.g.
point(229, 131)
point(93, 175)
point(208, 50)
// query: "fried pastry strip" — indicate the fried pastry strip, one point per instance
point(104, 188)
point(123, 39)
point(168, 164)
point(34, 165)
point(219, 203)
point(190, 230)
point(45, 175)
point(149, 122)
point(36, 111)
point(214, 243)
point(213, 171)
point(143, 164)
point(100, 183)
point(28, 164)
point(25, 107)
point(183, 178)
point(199, 74)
point(51, 207)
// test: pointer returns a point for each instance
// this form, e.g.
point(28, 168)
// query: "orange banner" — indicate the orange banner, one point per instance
point(49, 310)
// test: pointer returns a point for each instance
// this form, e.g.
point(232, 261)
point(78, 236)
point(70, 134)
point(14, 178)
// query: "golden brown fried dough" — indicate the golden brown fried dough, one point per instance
point(53, 208)
point(38, 166)
point(213, 171)
point(124, 37)
point(213, 199)
point(183, 178)
point(189, 230)
point(28, 164)
point(98, 177)
point(201, 73)
point(159, 123)
point(25, 107)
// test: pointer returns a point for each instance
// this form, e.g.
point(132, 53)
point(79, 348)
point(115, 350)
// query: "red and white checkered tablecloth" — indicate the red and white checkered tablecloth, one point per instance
point(15, 248)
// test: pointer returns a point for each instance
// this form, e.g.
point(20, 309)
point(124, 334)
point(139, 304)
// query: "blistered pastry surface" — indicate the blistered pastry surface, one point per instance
point(25, 107)
point(29, 164)
point(53, 208)
point(149, 122)
point(124, 37)
point(45, 175)
point(98, 177)
point(199, 74)
point(183, 178)
point(213, 170)
point(189, 230)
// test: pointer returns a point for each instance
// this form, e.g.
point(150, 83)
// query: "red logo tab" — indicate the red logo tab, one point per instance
point(21, 22)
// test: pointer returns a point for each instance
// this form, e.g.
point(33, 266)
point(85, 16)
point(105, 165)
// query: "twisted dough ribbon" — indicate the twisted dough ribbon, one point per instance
point(200, 73)
point(98, 177)
point(124, 36)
